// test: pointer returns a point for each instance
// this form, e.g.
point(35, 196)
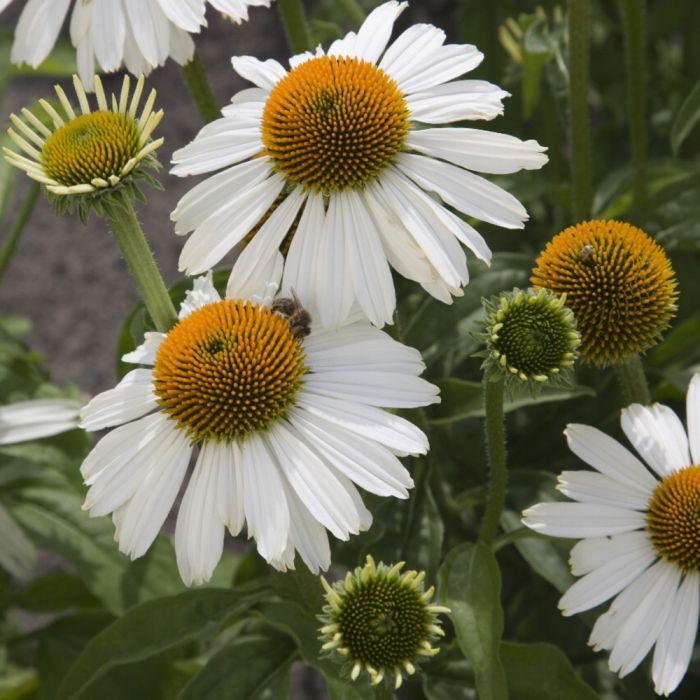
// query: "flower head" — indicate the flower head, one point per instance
point(286, 418)
point(380, 621)
point(618, 282)
point(341, 137)
point(88, 152)
point(641, 537)
point(37, 418)
point(530, 336)
point(114, 33)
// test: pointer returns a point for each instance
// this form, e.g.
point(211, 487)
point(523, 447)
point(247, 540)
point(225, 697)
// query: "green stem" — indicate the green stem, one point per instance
point(200, 89)
point(17, 227)
point(382, 692)
point(121, 218)
point(353, 10)
point(633, 381)
point(633, 12)
point(496, 452)
point(296, 29)
point(579, 47)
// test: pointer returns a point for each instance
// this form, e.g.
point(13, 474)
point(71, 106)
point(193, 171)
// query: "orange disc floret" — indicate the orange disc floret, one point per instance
point(618, 282)
point(334, 123)
point(228, 369)
point(673, 518)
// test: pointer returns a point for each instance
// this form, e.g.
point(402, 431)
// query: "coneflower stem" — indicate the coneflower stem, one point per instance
point(382, 692)
point(633, 12)
point(633, 381)
point(495, 438)
point(200, 89)
point(20, 221)
point(121, 218)
point(296, 28)
point(579, 48)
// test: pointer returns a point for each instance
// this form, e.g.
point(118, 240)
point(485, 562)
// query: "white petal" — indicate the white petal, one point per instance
point(609, 457)
point(471, 194)
point(229, 501)
point(581, 519)
point(674, 647)
point(154, 496)
point(594, 552)
point(475, 149)
point(203, 292)
point(38, 418)
point(37, 30)
point(108, 32)
point(181, 45)
point(606, 581)
point(264, 74)
point(693, 417)
point(132, 398)
point(145, 354)
point(264, 502)
point(150, 30)
point(591, 487)
point(199, 531)
point(186, 14)
point(658, 435)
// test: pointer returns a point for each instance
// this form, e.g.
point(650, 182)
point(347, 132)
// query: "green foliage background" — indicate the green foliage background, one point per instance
point(99, 626)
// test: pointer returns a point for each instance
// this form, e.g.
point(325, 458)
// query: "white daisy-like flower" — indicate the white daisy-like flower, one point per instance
point(139, 34)
point(286, 418)
point(641, 537)
point(37, 418)
point(87, 150)
point(343, 135)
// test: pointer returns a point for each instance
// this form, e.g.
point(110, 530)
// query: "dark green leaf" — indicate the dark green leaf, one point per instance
point(146, 630)
point(686, 118)
point(470, 585)
point(55, 591)
point(17, 554)
point(542, 672)
point(249, 665)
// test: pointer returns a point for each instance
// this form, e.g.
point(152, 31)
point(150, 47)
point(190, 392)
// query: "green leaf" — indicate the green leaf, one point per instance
point(464, 399)
point(542, 672)
point(686, 118)
point(147, 630)
point(55, 591)
point(303, 627)
point(249, 665)
point(448, 676)
point(17, 553)
point(470, 585)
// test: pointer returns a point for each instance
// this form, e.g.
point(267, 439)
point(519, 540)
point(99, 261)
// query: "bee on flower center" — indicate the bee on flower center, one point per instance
point(298, 318)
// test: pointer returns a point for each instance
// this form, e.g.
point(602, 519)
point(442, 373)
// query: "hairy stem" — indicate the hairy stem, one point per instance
point(633, 381)
point(200, 89)
point(17, 227)
point(296, 28)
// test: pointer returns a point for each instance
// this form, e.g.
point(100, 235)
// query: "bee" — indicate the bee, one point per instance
point(586, 254)
point(296, 315)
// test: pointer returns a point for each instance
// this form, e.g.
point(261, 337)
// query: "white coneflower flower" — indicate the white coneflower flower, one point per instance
point(139, 35)
point(341, 136)
point(287, 418)
point(37, 418)
point(87, 151)
point(642, 537)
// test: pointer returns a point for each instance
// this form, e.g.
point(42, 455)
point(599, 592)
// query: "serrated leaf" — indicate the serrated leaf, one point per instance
point(146, 630)
point(542, 672)
point(249, 665)
point(686, 118)
point(470, 585)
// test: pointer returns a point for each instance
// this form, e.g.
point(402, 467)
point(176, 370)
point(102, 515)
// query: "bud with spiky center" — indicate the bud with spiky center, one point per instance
point(380, 621)
point(530, 337)
point(83, 155)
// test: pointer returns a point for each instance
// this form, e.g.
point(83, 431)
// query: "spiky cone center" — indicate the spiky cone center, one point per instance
point(618, 282)
point(229, 369)
point(673, 518)
point(380, 621)
point(95, 145)
point(334, 123)
point(530, 335)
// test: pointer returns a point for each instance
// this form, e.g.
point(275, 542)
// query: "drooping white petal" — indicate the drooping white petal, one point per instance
point(264, 74)
point(581, 519)
point(609, 457)
point(199, 531)
point(150, 30)
point(229, 498)
point(145, 354)
point(108, 33)
point(658, 435)
point(38, 418)
point(674, 647)
point(693, 417)
point(132, 398)
point(186, 14)
point(476, 149)
point(37, 30)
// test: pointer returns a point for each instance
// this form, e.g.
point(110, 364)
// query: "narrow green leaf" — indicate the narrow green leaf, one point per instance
point(542, 672)
point(686, 118)
point(146, 630)
point(17, 553)
point(470, 585)
point(53, 592)
point(249, 665)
